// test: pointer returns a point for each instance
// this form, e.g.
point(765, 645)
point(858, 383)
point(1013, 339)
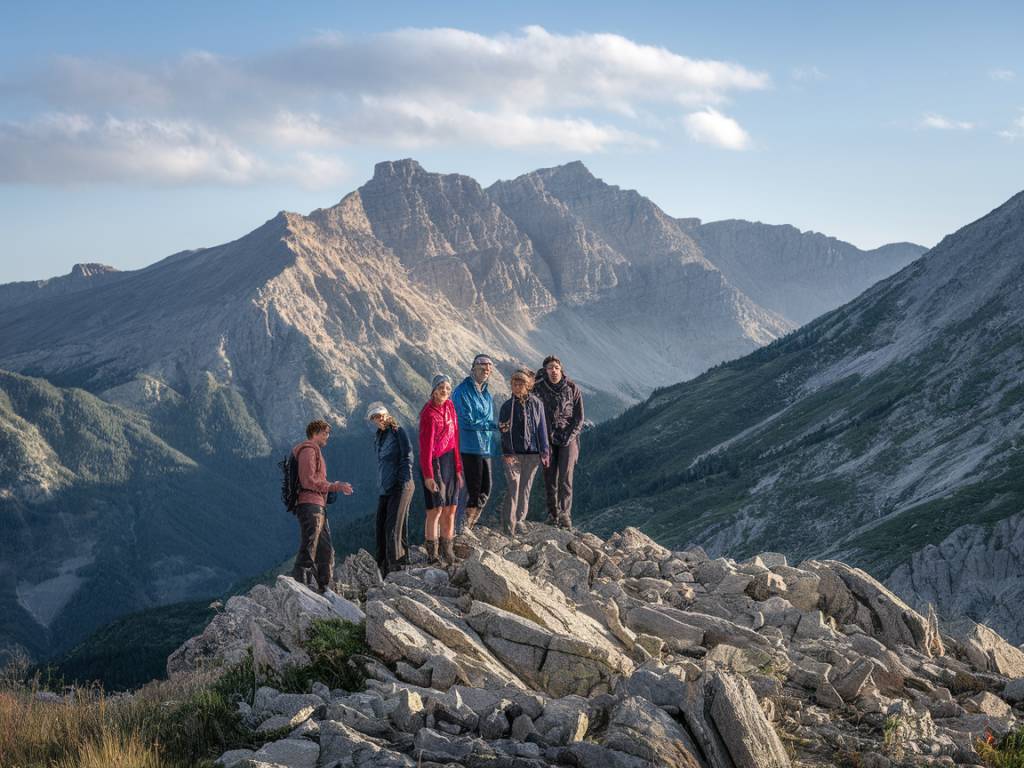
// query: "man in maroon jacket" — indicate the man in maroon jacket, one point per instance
point(315, 558)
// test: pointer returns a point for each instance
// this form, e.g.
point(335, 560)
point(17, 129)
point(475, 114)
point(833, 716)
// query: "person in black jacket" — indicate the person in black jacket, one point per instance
point(563, 409)
point(395, 486)
point(524, 447)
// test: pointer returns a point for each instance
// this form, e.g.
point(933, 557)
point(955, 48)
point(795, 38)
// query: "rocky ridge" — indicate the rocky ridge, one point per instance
point(977, 572)
point(81, 277)
point(801, 275)
point(558, 648)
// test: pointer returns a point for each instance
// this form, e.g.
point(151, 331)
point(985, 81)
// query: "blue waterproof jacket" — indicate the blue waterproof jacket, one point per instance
point(478, 428)
point(534, 437)
point(394, 459)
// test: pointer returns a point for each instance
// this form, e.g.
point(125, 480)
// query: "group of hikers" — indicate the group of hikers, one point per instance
point(460, 431)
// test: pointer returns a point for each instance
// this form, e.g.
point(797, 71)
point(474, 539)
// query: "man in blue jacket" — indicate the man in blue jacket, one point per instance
point(478, 430)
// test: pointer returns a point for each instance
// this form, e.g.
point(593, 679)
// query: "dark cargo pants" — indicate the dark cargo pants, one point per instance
point(392, 539)
point(558, 482)
point(316, 552)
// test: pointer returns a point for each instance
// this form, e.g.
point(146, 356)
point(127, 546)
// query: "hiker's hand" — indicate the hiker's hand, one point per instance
point(431, 485)
point(546, 461)
point(345, 488)
point(510, 459)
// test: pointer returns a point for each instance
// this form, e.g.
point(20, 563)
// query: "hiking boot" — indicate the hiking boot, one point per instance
point(551, 520)
point(472, 516)
point(565, 523)
point(305, 577)
point(448, 552)
point(431, 545)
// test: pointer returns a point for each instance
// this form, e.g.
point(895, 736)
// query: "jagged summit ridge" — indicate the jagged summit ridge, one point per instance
point(559, 648)
point(411, 255)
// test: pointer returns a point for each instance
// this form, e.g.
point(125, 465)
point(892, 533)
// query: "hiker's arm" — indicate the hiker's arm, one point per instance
point(426, 442)
point(576, 426)
point(405, 457)
point(458, 453)
point(542, 438)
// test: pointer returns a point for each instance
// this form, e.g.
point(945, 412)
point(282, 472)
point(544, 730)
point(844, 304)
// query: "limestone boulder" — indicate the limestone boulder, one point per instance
point(989, 652)
point(749, 737)
point(494, 580)
point(639, 729)
point(851, 596)
point(557, 664)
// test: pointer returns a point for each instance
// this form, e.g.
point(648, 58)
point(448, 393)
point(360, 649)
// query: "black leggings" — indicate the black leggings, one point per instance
point(392, 538)
point(477, 470)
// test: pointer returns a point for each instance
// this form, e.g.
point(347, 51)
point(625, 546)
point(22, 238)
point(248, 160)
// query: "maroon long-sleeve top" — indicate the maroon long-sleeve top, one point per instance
point(313, 474)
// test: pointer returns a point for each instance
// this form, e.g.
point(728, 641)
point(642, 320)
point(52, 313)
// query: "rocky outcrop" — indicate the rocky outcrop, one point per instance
point(977, 572)
point(851, 596)
point(491, 664)
point(269, 622)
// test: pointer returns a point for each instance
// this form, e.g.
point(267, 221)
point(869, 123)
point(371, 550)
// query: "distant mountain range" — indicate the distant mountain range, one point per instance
point(888, 432)
point(143, 409)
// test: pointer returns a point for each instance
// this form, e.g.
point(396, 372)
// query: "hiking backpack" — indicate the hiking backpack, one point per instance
point(290, 482)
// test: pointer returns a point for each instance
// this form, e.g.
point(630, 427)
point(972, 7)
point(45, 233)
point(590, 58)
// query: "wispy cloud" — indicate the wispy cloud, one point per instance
point(1016, 129)
point(1002, 74)
point(938, 122)
point(710, 126)
point(219, 119)
point(808, 74)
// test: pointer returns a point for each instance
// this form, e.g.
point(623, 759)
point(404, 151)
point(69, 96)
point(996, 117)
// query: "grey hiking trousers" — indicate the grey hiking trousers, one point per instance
point(519, 475)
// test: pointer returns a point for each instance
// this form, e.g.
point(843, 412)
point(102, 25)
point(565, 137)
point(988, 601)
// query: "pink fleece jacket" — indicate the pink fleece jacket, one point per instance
point(439, 433)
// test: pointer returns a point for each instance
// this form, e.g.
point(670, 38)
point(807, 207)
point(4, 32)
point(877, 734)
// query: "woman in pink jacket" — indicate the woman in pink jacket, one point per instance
point(440, 468)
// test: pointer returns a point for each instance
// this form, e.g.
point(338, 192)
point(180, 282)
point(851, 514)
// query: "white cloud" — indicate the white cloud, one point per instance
point(1002, 74)
point(808, 74)
point(76, 148)
point(710, 126)
point(1016, 129)
point(212, 118)
point(940, 123)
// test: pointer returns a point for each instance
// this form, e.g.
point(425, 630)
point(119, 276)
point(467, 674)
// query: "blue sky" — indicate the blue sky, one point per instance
point(129, 131)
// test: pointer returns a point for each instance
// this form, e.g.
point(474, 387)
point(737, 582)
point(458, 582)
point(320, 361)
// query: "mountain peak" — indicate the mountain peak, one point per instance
point(90, 269)
point(404, 168)
point(574, 172)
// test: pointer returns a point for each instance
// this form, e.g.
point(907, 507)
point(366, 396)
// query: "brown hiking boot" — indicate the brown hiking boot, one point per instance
point(448, 552)
point(472, 516)
point(431, 545)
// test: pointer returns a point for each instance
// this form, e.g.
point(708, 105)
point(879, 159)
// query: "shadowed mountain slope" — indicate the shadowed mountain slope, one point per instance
point(868, 434)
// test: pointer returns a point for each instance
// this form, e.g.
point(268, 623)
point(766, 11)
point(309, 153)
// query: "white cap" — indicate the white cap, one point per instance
point(376, 409)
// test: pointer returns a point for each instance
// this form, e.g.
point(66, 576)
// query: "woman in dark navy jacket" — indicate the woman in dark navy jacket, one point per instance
point(395, 486)
point(524, 446)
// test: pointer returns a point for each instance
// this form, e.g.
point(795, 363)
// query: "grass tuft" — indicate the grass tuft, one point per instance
point(1007, 752)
